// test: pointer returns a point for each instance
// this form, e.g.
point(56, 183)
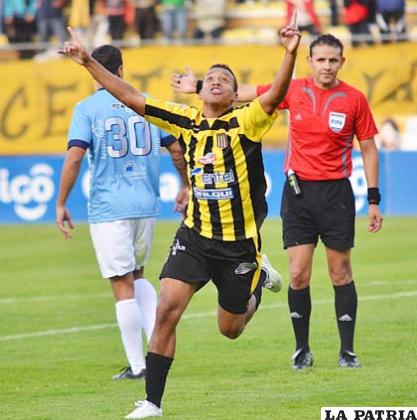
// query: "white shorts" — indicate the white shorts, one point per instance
point(122, 246)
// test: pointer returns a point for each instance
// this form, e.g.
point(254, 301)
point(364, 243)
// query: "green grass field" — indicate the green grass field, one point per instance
point(59, 345)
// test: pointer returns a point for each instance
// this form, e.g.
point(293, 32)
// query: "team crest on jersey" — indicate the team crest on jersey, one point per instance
point(222, 140)
point(336, 121)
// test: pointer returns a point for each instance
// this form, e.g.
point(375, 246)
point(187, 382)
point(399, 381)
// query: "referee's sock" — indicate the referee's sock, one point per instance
point(299, 302)
point(157, 368)
point(346, 303)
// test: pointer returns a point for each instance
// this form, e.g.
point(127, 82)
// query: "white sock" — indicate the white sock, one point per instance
point(146, 298)
point(129, 320)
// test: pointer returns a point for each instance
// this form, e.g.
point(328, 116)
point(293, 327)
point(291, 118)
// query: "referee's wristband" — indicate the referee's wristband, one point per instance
point(198, 86)
point(374, 197)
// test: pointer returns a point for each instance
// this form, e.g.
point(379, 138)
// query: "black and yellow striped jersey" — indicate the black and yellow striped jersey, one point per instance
point(225, 167)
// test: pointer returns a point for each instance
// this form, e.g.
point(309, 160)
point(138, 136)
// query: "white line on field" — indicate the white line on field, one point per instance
point(6, 301)
point(190, 316)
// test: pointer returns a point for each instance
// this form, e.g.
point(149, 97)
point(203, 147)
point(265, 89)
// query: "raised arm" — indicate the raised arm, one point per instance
point(122, 90)
point(290, 38)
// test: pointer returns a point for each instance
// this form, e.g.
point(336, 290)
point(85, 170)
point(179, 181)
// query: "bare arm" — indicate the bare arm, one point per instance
point(371, 166)
point(70, 172)
point(290, 38)
point(246, 93)
point(178, 160)
point(187, 83)
point(122, 90)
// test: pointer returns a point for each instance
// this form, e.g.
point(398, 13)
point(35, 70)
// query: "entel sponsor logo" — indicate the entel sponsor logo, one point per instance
point(29, 193)
point(220, 194)
point(218, 177)
point(358, 181)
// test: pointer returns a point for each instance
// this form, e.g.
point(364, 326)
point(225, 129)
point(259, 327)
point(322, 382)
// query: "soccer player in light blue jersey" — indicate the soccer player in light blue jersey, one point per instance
point(123, 152)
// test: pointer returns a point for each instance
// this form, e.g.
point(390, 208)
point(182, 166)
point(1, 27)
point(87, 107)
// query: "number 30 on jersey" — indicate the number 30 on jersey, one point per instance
point(125, 135)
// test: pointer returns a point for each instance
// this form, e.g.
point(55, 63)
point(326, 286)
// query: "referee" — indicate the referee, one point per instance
point(317, 200)
point(219, 239)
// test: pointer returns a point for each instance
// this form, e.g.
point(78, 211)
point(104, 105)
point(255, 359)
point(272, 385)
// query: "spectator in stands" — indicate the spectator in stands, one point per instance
point(210, 18)
point(334, 12)
point(174, 18)
point(99, 25)
point(389, 136)
point(390, 19)
point(79, 16)
point(1, 17)
point(50, 19)
point(115, 11)
point(356, 14)
point(147, 23)
point(307, 18)
point(19, 16)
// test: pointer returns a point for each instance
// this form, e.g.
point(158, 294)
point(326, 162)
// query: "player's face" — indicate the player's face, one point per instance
point(325, 63)
point(218, 87)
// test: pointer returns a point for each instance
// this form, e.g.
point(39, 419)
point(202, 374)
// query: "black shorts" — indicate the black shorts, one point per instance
point(325, 209)
point(234, 266)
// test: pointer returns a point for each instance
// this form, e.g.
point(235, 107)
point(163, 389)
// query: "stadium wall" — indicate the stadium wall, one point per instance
point(29, 186)
point(36, 98)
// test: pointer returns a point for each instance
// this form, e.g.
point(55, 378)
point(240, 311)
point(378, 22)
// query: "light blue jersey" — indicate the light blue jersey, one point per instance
point(124, 154)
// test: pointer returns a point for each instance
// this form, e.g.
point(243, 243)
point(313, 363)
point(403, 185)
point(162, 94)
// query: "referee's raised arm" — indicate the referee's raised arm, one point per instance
point(290, 39)
point(122, 90)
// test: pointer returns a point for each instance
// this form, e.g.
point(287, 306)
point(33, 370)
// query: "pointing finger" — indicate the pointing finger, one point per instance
point(74, 35)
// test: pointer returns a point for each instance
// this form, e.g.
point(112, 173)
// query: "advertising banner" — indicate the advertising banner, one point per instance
point(29, 186)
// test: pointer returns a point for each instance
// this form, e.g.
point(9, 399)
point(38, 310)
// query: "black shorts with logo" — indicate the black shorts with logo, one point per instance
point(234, 266)
point(325, 209)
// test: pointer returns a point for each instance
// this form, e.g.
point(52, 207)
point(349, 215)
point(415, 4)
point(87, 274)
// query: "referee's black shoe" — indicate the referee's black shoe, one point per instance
point(302, 359)
point(126, 373)
point(348, 359)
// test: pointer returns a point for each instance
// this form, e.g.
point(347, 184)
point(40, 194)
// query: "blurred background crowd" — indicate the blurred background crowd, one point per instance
point(36, 22)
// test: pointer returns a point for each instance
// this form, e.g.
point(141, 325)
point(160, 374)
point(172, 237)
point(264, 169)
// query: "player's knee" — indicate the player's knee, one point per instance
point(231, 332)
point(167, 314)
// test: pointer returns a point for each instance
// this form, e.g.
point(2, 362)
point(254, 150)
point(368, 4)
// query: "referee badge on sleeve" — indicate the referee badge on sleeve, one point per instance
point(336, 121)
point(222, 140)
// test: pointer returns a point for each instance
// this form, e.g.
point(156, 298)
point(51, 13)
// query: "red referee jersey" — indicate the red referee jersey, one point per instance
point(323, 123)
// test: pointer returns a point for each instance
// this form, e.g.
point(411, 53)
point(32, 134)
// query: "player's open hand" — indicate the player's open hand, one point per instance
point(290, 35)
point(184, 83)
point(181, 200)
point(74, 48)
point(64, 221)
point(375, 218)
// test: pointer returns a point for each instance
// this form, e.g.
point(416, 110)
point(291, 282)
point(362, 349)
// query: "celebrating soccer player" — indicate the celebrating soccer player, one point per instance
point(219, 238)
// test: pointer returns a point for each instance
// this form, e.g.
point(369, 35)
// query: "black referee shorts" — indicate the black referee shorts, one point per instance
point(234, 266)
point(325, 209)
